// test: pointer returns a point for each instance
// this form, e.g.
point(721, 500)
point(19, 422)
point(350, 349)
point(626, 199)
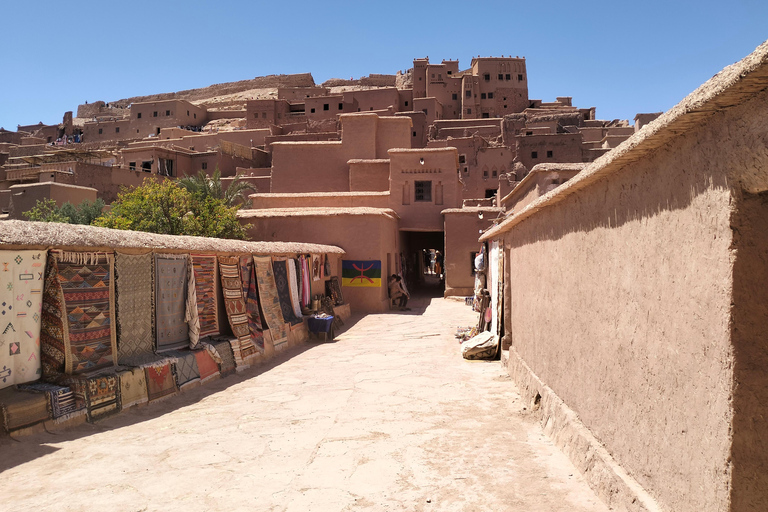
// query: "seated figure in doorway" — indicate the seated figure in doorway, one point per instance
point(397, 291)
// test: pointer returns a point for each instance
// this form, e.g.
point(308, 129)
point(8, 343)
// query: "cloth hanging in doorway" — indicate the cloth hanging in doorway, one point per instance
point(251, 294)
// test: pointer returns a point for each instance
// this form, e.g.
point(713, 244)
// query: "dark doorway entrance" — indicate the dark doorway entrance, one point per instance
point(422, 251)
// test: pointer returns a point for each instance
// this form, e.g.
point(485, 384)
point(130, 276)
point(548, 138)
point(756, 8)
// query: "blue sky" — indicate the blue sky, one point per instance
point(619, 56)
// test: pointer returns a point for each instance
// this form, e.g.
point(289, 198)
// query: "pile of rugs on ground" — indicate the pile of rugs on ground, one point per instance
point(92, 333)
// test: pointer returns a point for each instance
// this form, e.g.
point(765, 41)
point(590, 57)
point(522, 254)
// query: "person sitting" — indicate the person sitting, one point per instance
point(397, 291)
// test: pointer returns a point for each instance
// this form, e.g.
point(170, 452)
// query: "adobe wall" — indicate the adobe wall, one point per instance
point(309, 167)
point(25, 197)
point(543, 178)
point(108, 181)
point(320, 200)
point(533, 149)
point(462, 228)
point(438, 167)
point(640, 301)
point(363, 237)
point(369, 175)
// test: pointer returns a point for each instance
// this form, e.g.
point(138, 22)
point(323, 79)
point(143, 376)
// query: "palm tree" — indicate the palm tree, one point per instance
point(210, 186)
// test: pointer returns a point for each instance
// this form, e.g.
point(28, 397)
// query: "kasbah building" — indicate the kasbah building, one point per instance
point(632, 277)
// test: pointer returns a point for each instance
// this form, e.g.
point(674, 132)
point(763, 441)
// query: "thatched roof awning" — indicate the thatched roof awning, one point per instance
point(15, 233)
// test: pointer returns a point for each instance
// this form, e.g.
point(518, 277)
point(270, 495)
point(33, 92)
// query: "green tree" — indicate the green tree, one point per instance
point(46, 211)
point(203, 186)
point(165, 207)
point(84, 213)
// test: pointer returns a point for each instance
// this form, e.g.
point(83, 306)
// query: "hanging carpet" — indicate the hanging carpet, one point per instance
point(232, 286)
point(133, 387)
point(283, 282)
point(21, 299)
point(269, 300)
point(206, 366)
point(161, 381)
point(224, 350)
point(135, 315)
point(186, 367)
point(172, 330)
point(251, 295)
point(80, 334)
point(205, 286)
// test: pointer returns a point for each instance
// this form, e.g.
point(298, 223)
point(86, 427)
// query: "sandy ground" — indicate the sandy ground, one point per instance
point(386, 417)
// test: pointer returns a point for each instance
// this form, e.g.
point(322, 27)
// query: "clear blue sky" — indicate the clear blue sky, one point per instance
point(622, 57)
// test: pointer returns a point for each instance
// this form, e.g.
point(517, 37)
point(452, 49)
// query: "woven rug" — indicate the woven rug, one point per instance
point(61, 398)
point(224, 349)
point(52, 324)
point(234, 300)
point(102, 397)
point(283, 285)
point(172, 330)
point(187, 371)
point(23, 408)
point(205, 286)
point(269, 300)
point(206, 366)
point(133, 387)
point(251, 295)
point(294, 285)
point(21, 300)
point(90, 342)
point(134, 287)
point(306, 286)
point(161, 381)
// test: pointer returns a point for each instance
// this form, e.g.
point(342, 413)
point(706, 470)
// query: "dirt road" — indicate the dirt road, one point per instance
point(387, 417)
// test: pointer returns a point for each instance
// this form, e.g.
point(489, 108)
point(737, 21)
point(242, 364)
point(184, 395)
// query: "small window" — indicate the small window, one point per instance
point(406, 103)
point(167, 113)
point(326, 106)
point(469, 111)
point(466, 170)
point(138, 116)
point(505, 106)
point(117, 129)
point(487, 77)
point(494, 173)
point(519, 78)
point(132, 166)
point(433, 75)
point(101, 131)
point(529, 133)
point(489, 193)
point(311, 111)
point(195, 115)
point(187, 113)
point(462, 159)
point(534, 154)
point(154, 114)
point(414, 134)
point(507, 77)
point(501, 76)
point(468, 93)
point(341, 106)
point(490, 95)
point(549, 154)
point(482, 96)
point(205, 166)
point(448, 72)
point(454, 96)
point(263, 115)
point(486, 115)
point(422, 191)
point(146, 166)
point(426, 111)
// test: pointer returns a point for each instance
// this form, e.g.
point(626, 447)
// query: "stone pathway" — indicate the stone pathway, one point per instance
point(387, 417)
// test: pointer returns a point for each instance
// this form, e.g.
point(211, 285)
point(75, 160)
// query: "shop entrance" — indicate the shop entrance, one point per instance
point(424, 254)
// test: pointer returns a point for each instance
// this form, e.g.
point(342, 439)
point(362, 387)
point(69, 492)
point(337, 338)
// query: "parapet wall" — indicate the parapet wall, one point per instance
point(261, 82)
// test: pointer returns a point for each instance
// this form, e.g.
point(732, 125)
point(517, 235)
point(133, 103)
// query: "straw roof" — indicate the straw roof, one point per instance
point(729, 88)
point(75, 236)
